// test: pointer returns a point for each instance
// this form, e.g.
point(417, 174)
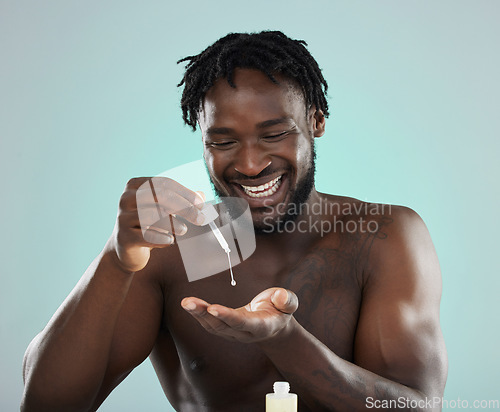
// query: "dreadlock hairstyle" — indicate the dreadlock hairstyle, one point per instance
point(268, 51)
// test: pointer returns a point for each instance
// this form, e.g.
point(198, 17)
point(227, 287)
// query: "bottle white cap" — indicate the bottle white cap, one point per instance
point(281, 388)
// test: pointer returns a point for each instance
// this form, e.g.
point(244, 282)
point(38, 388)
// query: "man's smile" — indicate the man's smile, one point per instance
point(263, 190)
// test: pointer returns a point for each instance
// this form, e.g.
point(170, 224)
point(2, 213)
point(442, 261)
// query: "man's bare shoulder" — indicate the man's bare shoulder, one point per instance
point(393, 241)
point(377, 232)
point(361, 216)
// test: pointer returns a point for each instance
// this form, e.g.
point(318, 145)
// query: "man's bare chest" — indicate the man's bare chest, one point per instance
point(326, 283)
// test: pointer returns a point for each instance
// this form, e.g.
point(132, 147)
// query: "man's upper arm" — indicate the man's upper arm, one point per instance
point(399, 335)
point(136, 330)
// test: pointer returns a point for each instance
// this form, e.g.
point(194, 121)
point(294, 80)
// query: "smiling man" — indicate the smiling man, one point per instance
point(349, 315)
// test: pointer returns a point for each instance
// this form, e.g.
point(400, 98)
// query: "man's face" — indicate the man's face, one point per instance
point(258, 143)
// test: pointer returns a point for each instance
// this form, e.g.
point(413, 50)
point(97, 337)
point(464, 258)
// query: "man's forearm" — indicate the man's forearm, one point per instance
point(66, 362)
point(323, 380)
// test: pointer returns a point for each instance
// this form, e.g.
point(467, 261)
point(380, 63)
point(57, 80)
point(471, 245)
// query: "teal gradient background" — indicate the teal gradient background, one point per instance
point(88, 99)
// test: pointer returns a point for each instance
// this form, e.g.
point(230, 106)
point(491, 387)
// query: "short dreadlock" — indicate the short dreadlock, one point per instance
point(268, 51)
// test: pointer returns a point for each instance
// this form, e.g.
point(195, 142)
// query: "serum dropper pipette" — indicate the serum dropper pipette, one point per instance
point(210, 215)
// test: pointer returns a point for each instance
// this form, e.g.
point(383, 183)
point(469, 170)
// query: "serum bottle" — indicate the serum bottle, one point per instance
point(281, 400)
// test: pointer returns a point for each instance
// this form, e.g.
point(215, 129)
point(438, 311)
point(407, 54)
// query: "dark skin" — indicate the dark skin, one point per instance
point(342, 316)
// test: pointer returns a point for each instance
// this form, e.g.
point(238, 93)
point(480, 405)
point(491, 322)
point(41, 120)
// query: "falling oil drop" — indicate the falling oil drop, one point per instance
point(233, 282)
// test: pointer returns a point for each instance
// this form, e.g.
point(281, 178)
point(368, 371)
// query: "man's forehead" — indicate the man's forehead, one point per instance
point(254, 91)
point(255, 81)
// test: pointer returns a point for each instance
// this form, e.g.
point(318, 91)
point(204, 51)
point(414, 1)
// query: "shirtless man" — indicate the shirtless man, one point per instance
point(349, 317)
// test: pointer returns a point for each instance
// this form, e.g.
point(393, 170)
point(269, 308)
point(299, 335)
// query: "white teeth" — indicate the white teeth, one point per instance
point(266, 189)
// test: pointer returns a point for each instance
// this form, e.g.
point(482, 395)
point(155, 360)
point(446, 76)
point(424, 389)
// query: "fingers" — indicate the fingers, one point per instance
point(134, 238)
point(170, 197)
point(167, 226)
point(285, 300)
point(201, 194)
point(160, 196)
point(264, 318)
point(158, 185)
point(150, 204)
point(217, 319)
point(158, 237)
point(232, 318)
point(280, 299)
point(146, 218)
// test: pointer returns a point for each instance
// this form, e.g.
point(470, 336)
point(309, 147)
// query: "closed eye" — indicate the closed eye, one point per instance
point(275, 137)
point(220, 145)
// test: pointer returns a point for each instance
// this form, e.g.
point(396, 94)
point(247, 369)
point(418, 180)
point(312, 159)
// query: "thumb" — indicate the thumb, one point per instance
point(285, 300)
point(201, 195)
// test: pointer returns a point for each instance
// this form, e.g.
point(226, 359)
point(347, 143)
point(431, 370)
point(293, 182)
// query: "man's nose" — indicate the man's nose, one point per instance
point(251, 160)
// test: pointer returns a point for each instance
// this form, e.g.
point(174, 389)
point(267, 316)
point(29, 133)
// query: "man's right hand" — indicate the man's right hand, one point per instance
point(147, 211)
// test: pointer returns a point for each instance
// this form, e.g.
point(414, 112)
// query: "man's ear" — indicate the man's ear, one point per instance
point(318, 122)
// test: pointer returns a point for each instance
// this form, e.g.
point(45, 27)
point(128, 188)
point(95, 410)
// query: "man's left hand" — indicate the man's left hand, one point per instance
point(265, 317)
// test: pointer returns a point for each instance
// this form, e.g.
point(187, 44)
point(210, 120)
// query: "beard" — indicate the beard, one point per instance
point(286, 212)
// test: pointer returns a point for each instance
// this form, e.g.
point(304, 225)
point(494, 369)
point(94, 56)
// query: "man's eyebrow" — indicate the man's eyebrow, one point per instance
point(262, 125)
point(274, 122)
point(219, 130)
